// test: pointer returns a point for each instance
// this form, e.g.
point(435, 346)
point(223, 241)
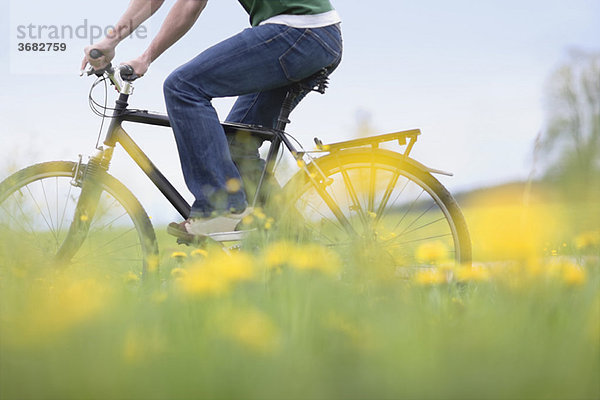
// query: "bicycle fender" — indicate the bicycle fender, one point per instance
point(419, 165)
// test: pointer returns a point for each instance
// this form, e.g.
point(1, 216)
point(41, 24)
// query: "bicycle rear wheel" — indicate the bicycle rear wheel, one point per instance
point(37, 207)
point(376, 206)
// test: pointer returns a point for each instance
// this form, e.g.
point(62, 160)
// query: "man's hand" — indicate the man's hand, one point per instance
point(108, 53)
point(140, 65)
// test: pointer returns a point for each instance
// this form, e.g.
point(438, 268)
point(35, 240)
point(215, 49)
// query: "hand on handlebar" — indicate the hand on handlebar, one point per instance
point(140, 65)
point(106, 54)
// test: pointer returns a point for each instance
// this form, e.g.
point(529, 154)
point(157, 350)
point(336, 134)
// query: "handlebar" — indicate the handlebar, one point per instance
point(126, 72)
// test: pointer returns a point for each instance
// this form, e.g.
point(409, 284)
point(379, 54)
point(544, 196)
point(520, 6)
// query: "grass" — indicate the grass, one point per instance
point(276, 321)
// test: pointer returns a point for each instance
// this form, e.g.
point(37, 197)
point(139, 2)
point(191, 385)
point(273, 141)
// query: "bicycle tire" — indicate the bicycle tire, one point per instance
point(442, 206)
point(34, 217)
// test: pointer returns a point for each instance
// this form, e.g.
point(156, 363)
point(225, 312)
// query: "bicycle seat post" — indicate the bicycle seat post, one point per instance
point(286, 108)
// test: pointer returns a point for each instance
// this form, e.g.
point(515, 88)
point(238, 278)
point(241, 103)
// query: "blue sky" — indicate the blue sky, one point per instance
point(470, 74)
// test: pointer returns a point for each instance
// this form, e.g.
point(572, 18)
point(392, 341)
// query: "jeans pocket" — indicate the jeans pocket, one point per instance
point(307, 55)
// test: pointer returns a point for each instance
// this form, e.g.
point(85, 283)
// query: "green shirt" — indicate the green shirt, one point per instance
point(261, 10)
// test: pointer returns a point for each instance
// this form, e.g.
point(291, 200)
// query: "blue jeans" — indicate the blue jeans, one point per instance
point(258, 65)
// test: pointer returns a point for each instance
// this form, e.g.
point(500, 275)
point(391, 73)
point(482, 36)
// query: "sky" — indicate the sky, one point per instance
point(470, 75)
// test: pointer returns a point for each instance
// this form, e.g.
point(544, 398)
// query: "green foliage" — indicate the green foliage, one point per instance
point(571, 141)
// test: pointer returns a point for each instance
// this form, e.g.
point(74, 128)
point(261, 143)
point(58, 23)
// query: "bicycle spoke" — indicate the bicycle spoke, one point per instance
point(416, 240)
point(318, 233)
point(409, 209)
point(418, 218)
point(383, 212)
point(17, 220)
point(352, 192)
point(102, 211)
point(40, 211)
point(97, 255)
point(111, 222)
point(66, 203)
point(326, 218)
point(46, 201)
point(371, 204)
point(427, 224)
point(115, 238)
point(386, 196)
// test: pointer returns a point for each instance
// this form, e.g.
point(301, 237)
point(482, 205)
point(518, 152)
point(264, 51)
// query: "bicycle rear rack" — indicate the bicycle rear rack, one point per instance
point(374, 141)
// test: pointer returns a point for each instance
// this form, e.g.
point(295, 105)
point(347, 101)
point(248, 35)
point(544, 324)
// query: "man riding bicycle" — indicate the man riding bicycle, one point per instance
point(289, 41)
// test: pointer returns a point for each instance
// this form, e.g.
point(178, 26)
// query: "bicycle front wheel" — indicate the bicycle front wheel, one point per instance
point(376, 205)
point(37, 207)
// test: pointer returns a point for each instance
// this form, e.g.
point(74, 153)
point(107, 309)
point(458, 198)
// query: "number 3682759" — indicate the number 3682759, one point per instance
point(43, 46)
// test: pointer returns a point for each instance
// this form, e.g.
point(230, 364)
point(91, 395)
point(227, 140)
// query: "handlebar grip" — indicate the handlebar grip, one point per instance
point(127, 73)
point(95, 53)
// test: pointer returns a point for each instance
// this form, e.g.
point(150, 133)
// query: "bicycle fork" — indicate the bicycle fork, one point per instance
point(90, 180)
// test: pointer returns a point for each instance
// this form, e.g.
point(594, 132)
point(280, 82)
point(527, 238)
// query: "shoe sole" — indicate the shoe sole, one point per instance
point(173, 229)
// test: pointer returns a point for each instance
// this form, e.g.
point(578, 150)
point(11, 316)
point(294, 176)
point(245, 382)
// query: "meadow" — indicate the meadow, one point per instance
point(282, 320)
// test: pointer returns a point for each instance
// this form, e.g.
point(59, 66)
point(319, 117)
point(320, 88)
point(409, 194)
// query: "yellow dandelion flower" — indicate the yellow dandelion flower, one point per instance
point(199, 252)
point(472, 274)
point(259, 214)
point(84, 218)
point(153, 262)
point(432, 252)
point(430, 277)
point(178, 255)
point(247, 220)
point(216, 275)
point(233, 185)
point(131, 277)
point(587, 240)
point(573, 275)
point(307, 257)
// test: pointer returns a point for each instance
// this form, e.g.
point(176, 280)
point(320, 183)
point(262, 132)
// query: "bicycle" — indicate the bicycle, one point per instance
point(349, 195)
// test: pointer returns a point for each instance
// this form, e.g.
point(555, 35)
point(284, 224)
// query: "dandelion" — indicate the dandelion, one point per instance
point(132, 277)
point(259, 214)
point(199, 253)
point(233, 185)
point(472, 274)
point(83, 218)
point(153, 262)
point(432, 252)
point(307, 257)
point(178, 255)
point(216, 275)
point(573, 275)
point(430, 277)
point(587, 240)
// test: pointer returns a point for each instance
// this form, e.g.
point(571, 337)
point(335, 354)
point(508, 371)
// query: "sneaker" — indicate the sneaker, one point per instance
point(194, 227)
